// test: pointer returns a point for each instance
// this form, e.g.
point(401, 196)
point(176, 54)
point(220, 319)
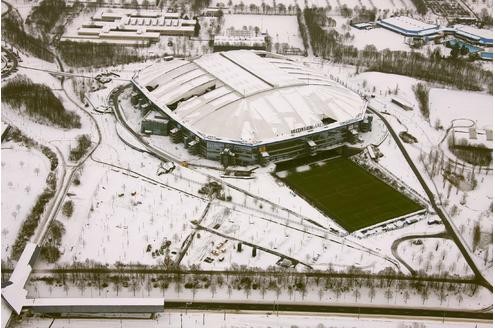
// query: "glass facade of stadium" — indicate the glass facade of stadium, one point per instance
point(232, 153)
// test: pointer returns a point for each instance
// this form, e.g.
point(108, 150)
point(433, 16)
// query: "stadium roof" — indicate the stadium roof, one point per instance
point(241, 97)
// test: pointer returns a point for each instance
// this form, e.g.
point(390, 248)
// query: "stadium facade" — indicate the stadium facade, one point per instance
point(245, 107)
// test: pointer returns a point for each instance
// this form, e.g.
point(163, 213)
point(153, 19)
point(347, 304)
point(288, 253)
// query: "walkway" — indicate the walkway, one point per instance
point(449, 226)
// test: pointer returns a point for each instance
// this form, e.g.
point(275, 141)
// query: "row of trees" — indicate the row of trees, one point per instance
point(13, 33)
point(458, 73)
point(83, 144)
point(198, 5)
point(475, 154)
point(302, 30)
point(31, 222)
point(50, 251)
point(275, 9)
point(39, 102)
point(422, 93)
point(289, 282)
point(84, 54)
point(420, 6)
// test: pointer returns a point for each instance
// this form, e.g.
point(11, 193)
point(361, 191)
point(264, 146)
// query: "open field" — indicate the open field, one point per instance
point(350, 195)
point(121, 218)
point(282, 29)
point(24, 171)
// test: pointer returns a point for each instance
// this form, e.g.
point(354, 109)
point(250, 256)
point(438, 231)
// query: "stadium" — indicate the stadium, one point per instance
point(245, 107)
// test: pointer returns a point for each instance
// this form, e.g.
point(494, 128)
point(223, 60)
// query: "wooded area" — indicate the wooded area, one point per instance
point(39, 102)
point(85, 54)
point(459, 73)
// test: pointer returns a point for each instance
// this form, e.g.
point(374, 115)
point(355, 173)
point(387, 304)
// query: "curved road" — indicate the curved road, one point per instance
point(66, 183)
point(453, 232)
point(396, 243)
point(114, 96)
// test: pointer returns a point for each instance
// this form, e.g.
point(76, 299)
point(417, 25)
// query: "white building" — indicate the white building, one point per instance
point(254, 106)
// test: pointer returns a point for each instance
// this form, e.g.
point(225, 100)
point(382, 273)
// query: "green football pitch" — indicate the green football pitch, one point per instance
point(350, 195)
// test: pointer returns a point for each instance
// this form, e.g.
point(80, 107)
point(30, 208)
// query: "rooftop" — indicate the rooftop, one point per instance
point(241, 97)
point(408, 24)
point(475, 32)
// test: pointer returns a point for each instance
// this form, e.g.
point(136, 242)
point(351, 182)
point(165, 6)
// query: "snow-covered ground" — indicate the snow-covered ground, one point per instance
point(312, 247)
point(392, 5)
point(127, 214)
point(435, 256)
point(24, 171)
point(380, 38)
point(282, 29)
point(479, 5)
point(251, 320)
point(446, 105)
point(127, 217)
point(23, 6)
point(318, 291)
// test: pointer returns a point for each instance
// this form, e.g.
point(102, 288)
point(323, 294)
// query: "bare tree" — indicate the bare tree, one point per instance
point(372, 293)
point(406, 296)
point(356, 294)
point(424, 294)
point(213, 289)
point(388, 295)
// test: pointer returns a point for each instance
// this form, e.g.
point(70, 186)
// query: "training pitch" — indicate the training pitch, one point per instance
point(350, 195)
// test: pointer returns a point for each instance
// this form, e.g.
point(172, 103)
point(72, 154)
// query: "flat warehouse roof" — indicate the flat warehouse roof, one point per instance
point(243, 97)
point(409, 24)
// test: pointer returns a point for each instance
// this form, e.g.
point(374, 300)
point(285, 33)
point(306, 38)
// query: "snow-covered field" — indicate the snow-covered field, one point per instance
point(24, 172)
point(127, 214)
point(471, 207)
point(380, 38)
point(311, 247)
point(435, 256)
point(391, 5)
point(282, 29)
point(446, 105)
point(251, 320)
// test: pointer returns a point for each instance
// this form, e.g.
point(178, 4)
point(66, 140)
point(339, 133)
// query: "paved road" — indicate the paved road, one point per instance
point(329, 309)
point(114, 96)
point(66, 182)
point(452, 231)
point(396, 243)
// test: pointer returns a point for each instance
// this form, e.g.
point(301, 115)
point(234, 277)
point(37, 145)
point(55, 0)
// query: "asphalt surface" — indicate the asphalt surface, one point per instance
point(396, 243)
point(161, 155)
point(450, 230)
point(328, 309)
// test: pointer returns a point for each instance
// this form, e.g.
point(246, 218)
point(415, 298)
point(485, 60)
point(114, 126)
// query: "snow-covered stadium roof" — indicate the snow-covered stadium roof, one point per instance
point(239, 96)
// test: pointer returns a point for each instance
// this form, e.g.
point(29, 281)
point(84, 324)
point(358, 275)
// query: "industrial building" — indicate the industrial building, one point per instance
point(245, 107)
point(414, 28)
point(131, 27)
